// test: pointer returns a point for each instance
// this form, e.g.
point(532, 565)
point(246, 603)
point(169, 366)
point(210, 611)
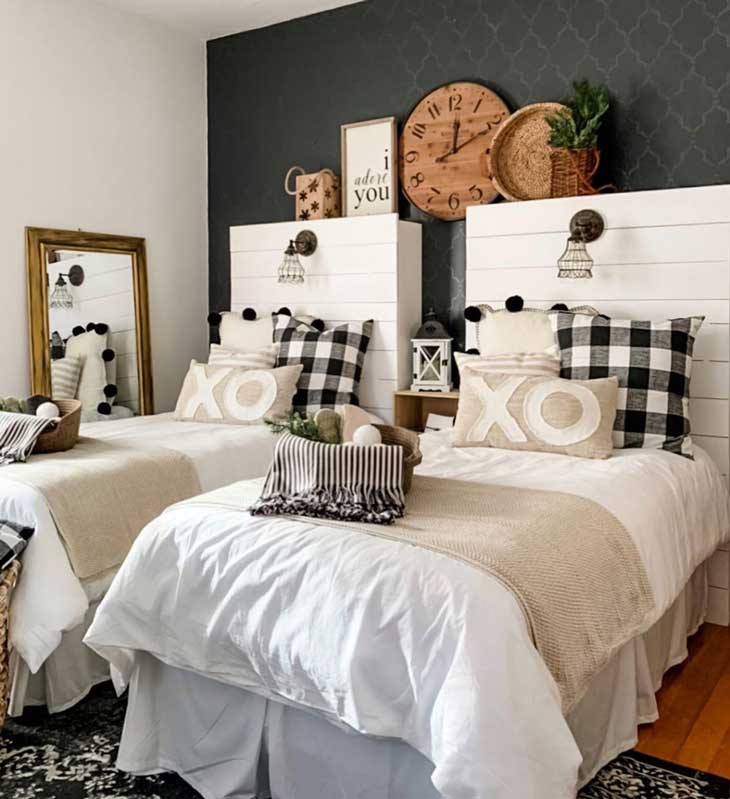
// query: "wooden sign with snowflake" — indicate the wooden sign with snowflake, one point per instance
point(317, 194)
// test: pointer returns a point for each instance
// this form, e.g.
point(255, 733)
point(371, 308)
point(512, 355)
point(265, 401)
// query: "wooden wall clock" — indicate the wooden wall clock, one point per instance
point(444, 147)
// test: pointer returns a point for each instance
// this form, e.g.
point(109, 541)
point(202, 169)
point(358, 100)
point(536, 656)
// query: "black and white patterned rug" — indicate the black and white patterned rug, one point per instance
point(71, 756)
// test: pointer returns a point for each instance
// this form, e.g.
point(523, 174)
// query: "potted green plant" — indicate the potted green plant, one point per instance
point(574, 140)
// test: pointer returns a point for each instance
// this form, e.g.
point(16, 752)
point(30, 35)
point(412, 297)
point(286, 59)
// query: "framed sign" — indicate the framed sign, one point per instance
point(369, 168)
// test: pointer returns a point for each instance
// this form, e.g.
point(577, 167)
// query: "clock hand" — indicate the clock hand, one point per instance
point(454, 142)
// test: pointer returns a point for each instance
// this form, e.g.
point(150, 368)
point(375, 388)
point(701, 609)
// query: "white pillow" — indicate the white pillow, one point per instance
point(91, 385)
point(501, 331)
point(94, 344)
point(546, 362)
point(246, 335)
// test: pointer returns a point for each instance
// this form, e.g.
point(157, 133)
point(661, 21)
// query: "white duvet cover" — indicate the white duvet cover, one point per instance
point(389, 639)
point(49, 598)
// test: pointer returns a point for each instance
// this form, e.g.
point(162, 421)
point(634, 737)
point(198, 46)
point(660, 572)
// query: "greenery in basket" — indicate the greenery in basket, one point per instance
point(297, 425)
point(12, 405)
point(577, 129)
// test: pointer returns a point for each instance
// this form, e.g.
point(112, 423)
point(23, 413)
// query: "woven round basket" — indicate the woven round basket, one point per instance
point(520, 153)
point(8, 580)
point(66, 433)
point(408, 439)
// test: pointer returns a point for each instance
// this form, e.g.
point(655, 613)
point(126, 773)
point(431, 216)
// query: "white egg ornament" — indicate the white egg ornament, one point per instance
point(366, 436)
point(48, 410)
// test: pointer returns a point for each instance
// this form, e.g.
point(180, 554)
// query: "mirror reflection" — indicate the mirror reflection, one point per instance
point(93, 335)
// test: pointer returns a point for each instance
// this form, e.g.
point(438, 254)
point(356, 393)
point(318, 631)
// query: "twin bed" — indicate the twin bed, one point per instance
point(296, 658)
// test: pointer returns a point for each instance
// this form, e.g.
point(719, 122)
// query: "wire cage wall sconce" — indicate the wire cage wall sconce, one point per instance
point(575, 262)
point(62, 298)
point(291, 270)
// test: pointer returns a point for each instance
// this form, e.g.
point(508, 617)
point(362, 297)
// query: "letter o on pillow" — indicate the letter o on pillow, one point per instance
point(580, 430)
point(267, 387)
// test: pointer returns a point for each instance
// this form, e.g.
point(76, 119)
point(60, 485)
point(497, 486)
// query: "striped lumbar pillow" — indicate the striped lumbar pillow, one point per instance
point(546, 362)
point(65, 373)
point(262, 358)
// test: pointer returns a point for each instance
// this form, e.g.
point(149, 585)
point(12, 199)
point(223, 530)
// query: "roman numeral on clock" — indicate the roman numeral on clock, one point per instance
point(419, 129)
point(434, 110)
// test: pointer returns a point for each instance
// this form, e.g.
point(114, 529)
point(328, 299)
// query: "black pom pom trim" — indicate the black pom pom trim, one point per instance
point(101, 328)
point(318, 324)
point(514, 303)
point(472, 314)
point(249, 314)
point(284, 311)
point(78, 330)
point(108, 355)
point(559, 306)
point(472, 351)
point(104, 408)
point(90, 327)
point(214, 319)
point(110, 390)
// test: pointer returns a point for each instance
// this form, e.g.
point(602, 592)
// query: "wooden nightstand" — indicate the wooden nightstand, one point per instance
point(412, 407)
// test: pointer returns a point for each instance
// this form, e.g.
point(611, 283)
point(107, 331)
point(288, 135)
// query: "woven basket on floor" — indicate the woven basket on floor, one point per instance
point(66, 433)
point(572, 171)
point(7, 583)
point(407, 439)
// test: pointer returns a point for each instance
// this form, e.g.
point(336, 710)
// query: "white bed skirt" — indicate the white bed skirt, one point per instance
point(66, 677)
point(227, 742)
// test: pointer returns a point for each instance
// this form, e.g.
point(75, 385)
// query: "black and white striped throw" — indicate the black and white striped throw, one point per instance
point(333, 481)
point(18, 434)
point(14, 538)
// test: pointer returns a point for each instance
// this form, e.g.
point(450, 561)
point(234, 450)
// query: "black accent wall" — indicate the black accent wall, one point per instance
point(277, 97)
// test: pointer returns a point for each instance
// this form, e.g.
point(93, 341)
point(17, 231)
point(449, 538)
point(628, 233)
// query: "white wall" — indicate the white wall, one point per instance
point(102, 127)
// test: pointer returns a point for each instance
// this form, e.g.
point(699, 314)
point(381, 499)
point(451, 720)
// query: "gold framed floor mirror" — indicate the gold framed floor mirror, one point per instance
point(88, 309)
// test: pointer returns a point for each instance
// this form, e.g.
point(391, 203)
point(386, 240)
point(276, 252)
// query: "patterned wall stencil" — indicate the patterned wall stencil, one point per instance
point(278, 96)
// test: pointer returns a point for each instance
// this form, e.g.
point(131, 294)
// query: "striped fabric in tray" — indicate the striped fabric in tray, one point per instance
point(333, 481)
point(18, 435)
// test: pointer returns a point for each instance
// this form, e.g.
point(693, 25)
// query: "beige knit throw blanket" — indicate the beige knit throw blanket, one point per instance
point(568, 561)
point(101, 494)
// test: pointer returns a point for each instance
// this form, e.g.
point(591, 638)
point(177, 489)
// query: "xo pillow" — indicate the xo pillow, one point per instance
point(536, 413)
point(234, 395)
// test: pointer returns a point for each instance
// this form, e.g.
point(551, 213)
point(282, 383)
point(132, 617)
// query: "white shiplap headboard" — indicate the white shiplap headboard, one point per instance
point(366, 267)
point(663, 254)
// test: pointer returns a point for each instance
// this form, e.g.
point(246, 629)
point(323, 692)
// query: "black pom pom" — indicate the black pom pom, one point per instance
point(514, 303)
point(90, 327)
point(78, 330)
point(472, 314)
point(101, 328)
point(33, 403)
point(559, 306)
point(104, 408)
point(110, 390)
point(318, 324)
point(214, 319)
point(472, 351)
point(249, 314)
point(284, 311)
point(108, 355)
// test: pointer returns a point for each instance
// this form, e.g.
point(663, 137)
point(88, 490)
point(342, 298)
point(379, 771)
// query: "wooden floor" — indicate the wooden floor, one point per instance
point(694, 707)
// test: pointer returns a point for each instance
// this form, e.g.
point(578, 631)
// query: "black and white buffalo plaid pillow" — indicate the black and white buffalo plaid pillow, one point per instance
point(13, 540)
point(332, 361)
point(653, 363)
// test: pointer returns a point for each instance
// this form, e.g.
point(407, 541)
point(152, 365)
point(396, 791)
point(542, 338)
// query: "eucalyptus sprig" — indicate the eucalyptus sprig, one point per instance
point(577, 128)
point(297, 425)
